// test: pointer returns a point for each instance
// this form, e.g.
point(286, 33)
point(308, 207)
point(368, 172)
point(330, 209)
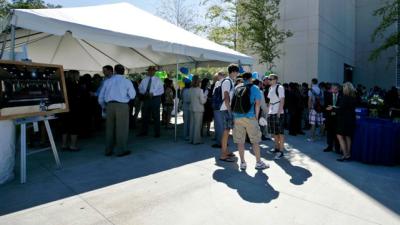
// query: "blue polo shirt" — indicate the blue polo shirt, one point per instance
point(255, 94)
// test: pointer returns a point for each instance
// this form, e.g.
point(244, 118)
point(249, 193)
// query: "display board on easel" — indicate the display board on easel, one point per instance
point(31, 89)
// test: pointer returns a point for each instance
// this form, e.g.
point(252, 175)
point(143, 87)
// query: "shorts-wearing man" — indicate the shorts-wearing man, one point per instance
point(276, 95)
point(316, 116)
point(227, 86)
point(247, 122)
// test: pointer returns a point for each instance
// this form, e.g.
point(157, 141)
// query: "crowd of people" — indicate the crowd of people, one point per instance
point(254, 110)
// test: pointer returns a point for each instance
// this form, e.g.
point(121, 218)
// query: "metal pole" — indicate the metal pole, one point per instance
point(23, 153)
point(176, 98)
point(12, 42)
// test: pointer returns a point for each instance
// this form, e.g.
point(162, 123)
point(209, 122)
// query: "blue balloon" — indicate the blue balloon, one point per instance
point(241, 70)
point(190, 77)
point(186, 80)
point(184, 70)
point(254, 75)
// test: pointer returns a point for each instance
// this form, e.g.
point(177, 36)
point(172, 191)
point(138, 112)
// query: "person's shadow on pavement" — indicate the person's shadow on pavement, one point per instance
point(299, 175)
point(252, 189)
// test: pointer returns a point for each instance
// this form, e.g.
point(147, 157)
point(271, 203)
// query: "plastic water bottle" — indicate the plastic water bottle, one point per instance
point(42, 106)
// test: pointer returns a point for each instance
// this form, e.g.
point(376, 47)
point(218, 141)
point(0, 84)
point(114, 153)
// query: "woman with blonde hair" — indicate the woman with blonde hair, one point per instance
point(197, 100)
point(346, 120)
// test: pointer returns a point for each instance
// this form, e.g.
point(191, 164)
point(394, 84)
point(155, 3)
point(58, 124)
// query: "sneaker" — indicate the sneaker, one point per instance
point(261, 165)
point(279, 155)
point(263, 138)
point(272, 151)
point(310, 139)
point(243, 165)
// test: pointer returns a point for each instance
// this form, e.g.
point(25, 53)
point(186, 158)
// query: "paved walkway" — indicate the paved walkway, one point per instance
point(164, 182)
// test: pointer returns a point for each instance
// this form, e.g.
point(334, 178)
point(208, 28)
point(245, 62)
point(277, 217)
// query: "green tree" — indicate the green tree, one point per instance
point(6, 6)
point(260, 29)
point(222, 23)
point(389, 13)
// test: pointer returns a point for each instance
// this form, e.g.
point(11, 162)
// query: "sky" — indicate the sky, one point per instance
point(148, 5)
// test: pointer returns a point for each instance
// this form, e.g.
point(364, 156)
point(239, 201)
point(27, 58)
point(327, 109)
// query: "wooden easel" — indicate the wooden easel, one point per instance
point(23, 122)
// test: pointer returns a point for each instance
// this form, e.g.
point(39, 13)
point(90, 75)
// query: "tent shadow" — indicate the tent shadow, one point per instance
point(89, 169)
point(252, 189)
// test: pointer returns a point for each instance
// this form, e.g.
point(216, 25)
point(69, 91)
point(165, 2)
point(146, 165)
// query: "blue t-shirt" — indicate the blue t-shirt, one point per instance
point(255, 94)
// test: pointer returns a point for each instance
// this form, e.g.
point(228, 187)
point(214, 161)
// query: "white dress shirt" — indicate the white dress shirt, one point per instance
point(117, 88)
point(157, 87)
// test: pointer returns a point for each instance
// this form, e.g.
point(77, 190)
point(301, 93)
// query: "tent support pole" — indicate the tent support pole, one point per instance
point(84, 41)
point(176, 98)
point(57, 48)
point(87, 52)
point(12, 42)
point(147, 58)
point(3, 46)
point(25, 36)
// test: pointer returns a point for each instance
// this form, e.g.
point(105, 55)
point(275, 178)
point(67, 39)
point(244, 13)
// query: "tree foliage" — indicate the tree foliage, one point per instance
point(180, 13)
point(261, 31)
point(389, 13)
point(6, 6)
point(222, 23)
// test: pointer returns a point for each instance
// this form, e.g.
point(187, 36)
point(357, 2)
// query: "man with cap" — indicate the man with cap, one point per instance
point(115, 94)
point(151, 88)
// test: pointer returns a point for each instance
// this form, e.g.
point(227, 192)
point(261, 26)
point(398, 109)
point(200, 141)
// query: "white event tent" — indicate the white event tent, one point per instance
point(87, 38)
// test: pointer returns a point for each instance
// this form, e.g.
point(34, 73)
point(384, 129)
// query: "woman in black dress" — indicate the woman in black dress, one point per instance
point(346, 120)
point(70, 121)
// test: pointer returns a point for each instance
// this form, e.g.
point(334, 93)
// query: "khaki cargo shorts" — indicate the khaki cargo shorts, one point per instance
point(249, 126)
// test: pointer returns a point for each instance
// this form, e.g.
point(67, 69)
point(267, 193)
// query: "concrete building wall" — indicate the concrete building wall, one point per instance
point(327, 35)
point(381, 72)
point(336, 43)
point(300, 60)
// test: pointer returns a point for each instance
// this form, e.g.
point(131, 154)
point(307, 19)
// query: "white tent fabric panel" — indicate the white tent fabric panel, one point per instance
point(126, 26)
point(85, 55)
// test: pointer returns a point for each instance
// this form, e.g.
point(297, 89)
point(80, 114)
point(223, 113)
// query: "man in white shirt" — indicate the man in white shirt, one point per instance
point(276, 96)
point(151, 88)
point(115, 94)
point(316, 117)
point(227, 86)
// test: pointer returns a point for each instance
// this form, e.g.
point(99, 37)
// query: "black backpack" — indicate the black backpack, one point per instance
point(217, 99)
point(241, 99)
point(317, 104)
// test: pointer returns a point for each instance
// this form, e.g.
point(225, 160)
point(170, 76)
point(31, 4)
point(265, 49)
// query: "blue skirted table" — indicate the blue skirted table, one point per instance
point(376, 141)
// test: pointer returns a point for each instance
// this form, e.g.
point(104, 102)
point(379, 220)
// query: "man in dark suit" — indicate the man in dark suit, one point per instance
point(331, 101)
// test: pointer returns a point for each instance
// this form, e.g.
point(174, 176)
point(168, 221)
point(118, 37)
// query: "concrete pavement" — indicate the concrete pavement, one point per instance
point(164, 182)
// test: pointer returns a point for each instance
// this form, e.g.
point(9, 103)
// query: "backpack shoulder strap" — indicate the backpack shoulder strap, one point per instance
point(313, 92)
point(229, 83)
point(276, 90)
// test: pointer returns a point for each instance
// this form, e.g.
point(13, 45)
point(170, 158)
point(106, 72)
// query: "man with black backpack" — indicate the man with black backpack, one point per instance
point(276, 97)
point(246, 109)
point(315, 106)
